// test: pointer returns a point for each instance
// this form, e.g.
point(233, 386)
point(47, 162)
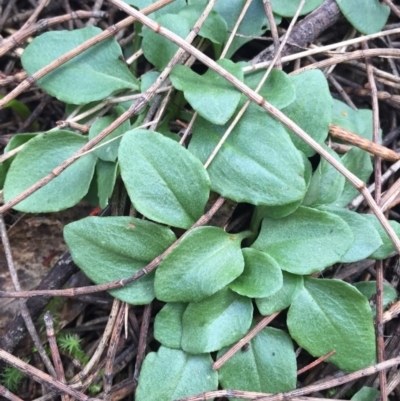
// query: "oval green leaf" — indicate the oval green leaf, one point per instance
point(215, 322)
point(268, 365)
point(387, 248)
point(367, 16)
point(282, 299)
point(92, 75)
point(211, 95)
point(206, 260)
point(113, 248)
point(338, 318)
point(306, 241)
point(261, 277)
point(248, 167)
point(38, 158)
point(170, 374)
point(165, 182)
point(168, 324)
point(366, 238)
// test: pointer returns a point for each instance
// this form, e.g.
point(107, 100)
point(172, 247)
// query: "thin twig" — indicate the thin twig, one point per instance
point(112, 350)
point(102, 345)
point(251, 334)
point(315, 363)
point(274, 31)
point(144, 330)
point(48, 320)
point(379, 263)
point(4, 392)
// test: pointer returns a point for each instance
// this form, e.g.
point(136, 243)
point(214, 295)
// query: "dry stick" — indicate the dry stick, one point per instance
point(340, 58)
point(273, 29)
point(18, 37)
point(298, 393)
point(133, 110)
point(144, 329)
point(394, 9)
point(42, 377)
point(390, 199)
point(316, 362)
point(4, 392)
point(72, 292)
point(379, 263)
point(103, 343)
point(252, 333)
point(252, 95)
point(112, 350)
point(38, 9)
point(259, 86)
point(48, 321)
point(111, 31)
point(322, 49)
point(24, 309)
point(363, 143)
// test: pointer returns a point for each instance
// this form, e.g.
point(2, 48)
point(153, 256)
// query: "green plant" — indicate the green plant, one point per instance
point(71, 344)
point(11, 378)
point(209, 279)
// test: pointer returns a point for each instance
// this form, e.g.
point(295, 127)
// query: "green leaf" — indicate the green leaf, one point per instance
point(387, 248)
point(215, 322)
point(113, 248)
point(312, 108)
point(366, 394)
point(268, 365)
point(358, 162)
point(326, 184)
point(288, 8)
point(367, 16)
point(214, 27)
point(211, 95)
point(106, 174)
point(172, 8)
point(282, 299)
point(39, 157)
point(16, 141)
point(93, 75)
point(306, 241)
point(357, 121)
point(170, 374)
point(261, 277)
point(158, 49)
point(165, 182)
point(278, 89)
point(338, 318)
point(366, 238)
point(368, 289)
point(248, 167)
point(206, 260)
point(108, 152)
point(168, 324)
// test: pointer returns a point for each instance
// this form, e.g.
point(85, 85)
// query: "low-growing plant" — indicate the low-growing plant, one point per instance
point(212, 282)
